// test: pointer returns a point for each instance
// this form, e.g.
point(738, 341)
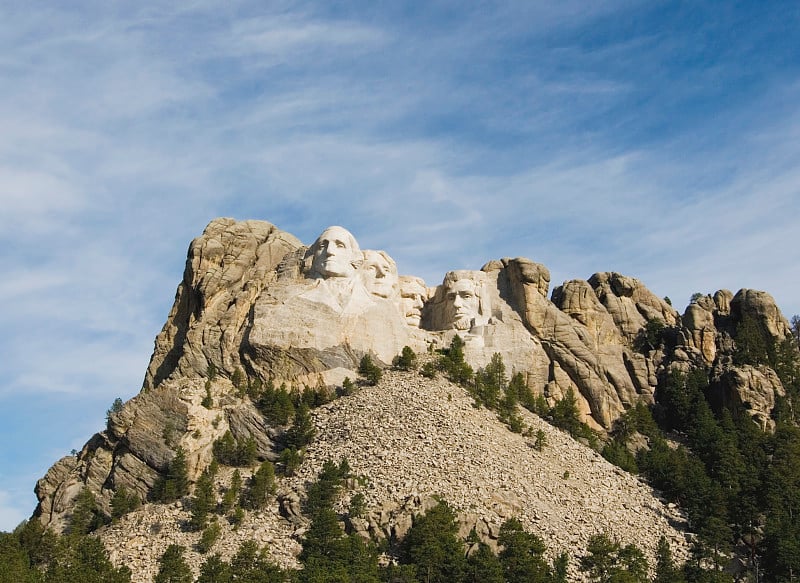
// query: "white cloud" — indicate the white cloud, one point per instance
point(284, 37)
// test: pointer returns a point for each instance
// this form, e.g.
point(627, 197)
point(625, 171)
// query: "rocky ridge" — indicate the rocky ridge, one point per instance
point(257, 305)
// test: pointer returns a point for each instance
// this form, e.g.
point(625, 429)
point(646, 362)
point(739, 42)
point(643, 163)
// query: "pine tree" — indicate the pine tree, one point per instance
point(215, 570)
point(454, 364)
point(494, 381)
point(261, 487)
point(123, 502)
point(173, 568)
point(323, 493)
point(666, 570)
point(483, 566)
point(522, 555)
point(84, 559)
point(38, 543)
point(203, 502)
point(348, 388)
point(115, 408)
point(781, 545)
point(606, 561)
point(357, 507)
point(85, 514)
point(407, 360)
point(238, 379)
point(302, 430)
point(208, 401)
point(565, 414)
point(232, 493)
point(14, 563)
point(209, 537)
point(369, 370)
point(433, 546)
point(324, 542)
point(752, 345)
point(290, 459)
point(175, 484)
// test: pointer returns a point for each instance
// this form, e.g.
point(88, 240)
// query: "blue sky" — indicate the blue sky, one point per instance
point(657, 139)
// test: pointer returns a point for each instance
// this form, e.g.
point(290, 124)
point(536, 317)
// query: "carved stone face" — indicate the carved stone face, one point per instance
point(380, 274)
point(412, 298)
point(464, 304)
point(336, 253)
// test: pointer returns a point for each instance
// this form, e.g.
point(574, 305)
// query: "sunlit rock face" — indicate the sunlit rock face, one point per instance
point(256, 303)
point(254, 297)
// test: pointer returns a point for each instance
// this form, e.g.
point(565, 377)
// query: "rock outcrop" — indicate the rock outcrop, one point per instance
point(257, 306)
point(226, 269)
point(753, 390)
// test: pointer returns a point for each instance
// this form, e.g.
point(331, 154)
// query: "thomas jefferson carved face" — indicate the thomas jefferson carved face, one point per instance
point(381, 274)
point(335, 253)
point(412, 298)
point(463, 290)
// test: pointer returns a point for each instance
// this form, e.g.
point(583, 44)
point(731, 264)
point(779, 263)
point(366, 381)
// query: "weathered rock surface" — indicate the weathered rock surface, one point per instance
point(707, 338)
point(748, 388)
point(226, 269)
point(257, 305)
point(701, 330)
point(761, 307)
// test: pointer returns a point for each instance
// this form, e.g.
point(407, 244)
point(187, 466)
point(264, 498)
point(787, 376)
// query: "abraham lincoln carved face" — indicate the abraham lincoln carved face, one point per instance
point(464, 302)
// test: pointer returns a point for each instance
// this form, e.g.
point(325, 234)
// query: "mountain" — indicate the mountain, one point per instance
point(258, 310)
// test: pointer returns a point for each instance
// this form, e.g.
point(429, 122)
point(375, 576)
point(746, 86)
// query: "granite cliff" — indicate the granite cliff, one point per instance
point(258, 306)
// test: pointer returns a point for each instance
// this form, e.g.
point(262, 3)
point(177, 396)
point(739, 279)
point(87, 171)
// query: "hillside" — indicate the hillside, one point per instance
point(409, 439)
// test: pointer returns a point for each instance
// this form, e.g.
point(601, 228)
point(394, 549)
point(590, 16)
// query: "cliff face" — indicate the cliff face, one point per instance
point(255, 304)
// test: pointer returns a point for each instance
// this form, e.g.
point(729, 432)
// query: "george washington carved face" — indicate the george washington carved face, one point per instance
point(335, 254)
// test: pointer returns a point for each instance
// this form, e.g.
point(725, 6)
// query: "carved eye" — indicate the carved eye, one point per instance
point(340, 244)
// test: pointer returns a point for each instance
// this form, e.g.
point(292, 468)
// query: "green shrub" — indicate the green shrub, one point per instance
point(407, 360)
point(369, 370)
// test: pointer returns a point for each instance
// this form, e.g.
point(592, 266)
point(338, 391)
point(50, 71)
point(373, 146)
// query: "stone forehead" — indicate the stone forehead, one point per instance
point(372, 257)
point(335, 231)
point(410, 282)
point(477, 278)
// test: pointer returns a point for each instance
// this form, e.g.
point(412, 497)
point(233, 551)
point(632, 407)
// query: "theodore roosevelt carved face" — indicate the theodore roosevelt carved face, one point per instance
point(413, 294)
point(335, 254)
